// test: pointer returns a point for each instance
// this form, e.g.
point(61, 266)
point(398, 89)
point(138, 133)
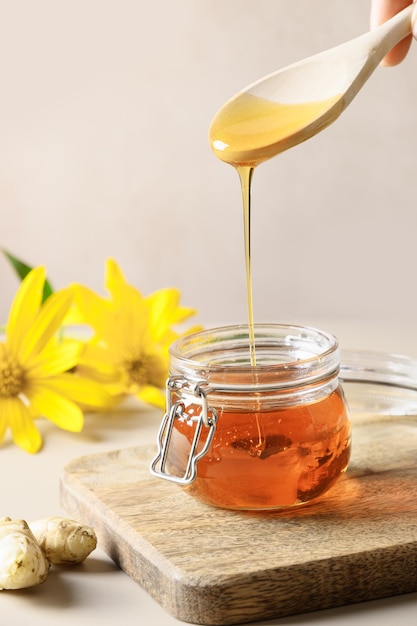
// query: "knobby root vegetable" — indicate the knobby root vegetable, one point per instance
point(22, 561)
point(63, 540)
point(27, 550)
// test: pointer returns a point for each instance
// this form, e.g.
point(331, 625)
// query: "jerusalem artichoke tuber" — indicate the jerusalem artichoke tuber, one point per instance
point(64, 540)
point(27, 550)
point(22, 561)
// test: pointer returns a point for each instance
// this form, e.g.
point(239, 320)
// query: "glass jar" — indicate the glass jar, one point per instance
point(254, 437)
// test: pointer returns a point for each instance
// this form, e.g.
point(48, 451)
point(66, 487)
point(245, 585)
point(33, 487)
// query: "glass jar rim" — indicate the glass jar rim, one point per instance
point(286, 355)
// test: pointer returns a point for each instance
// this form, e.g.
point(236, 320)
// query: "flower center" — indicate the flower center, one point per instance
point(145, 370)
point(12, 378)
point(136, 371)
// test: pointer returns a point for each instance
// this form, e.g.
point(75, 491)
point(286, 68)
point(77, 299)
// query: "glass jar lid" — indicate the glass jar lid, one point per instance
point(379, 382)
point(287, 356)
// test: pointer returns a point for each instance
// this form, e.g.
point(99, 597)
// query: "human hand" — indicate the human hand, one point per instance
point(381, 11)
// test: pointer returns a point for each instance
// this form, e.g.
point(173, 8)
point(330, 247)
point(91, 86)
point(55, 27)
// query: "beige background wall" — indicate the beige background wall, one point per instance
point(104, 112)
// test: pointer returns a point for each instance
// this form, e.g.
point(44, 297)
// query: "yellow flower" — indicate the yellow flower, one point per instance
point(132, 336)
point(35, 379)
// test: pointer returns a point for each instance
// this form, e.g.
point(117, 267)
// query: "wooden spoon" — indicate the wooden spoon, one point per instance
point(296, 102)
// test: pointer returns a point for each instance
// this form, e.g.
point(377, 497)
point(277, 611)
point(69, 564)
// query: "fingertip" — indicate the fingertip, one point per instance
point(383, 10)
point(398, 53)
point(414, 21)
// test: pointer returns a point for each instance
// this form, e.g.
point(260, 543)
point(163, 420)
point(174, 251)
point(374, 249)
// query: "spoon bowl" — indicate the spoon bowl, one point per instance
point(291, 105)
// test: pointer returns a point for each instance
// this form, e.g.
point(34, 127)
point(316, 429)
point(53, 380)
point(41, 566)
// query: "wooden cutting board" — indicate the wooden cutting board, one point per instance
point(209, 566)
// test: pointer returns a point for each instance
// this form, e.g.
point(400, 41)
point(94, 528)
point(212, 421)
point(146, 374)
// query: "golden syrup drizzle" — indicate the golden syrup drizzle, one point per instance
point(245, 175)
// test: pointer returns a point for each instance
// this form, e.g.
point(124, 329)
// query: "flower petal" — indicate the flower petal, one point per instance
point(24, 432)
point(97, 363)
point(81, 390)
point(152, 395)
point(56, 408)
point(3, 419)
point(52, 361)
point(115, 282)
point(165, 311)
point(46, 323)
point(161, 304)
point(74, 317)
point(24, 308)
point(181, 314)
point(96, 311)
point(131, 322)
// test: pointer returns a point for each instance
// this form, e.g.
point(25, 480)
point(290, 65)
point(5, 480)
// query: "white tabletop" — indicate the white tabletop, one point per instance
point(97, 592)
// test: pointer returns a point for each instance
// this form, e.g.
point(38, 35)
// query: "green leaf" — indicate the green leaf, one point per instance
point(22, 269)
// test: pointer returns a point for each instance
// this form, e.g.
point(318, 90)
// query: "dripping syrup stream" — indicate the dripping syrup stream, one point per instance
point(245, 175)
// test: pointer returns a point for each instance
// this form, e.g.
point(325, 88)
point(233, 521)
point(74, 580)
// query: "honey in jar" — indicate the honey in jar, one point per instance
point(269, 436)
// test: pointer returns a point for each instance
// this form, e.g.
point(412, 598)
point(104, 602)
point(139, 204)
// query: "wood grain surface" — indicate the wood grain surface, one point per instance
point(211, 566)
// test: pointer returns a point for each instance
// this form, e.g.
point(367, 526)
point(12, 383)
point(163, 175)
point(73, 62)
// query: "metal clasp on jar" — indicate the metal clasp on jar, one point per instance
point(197, 393)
